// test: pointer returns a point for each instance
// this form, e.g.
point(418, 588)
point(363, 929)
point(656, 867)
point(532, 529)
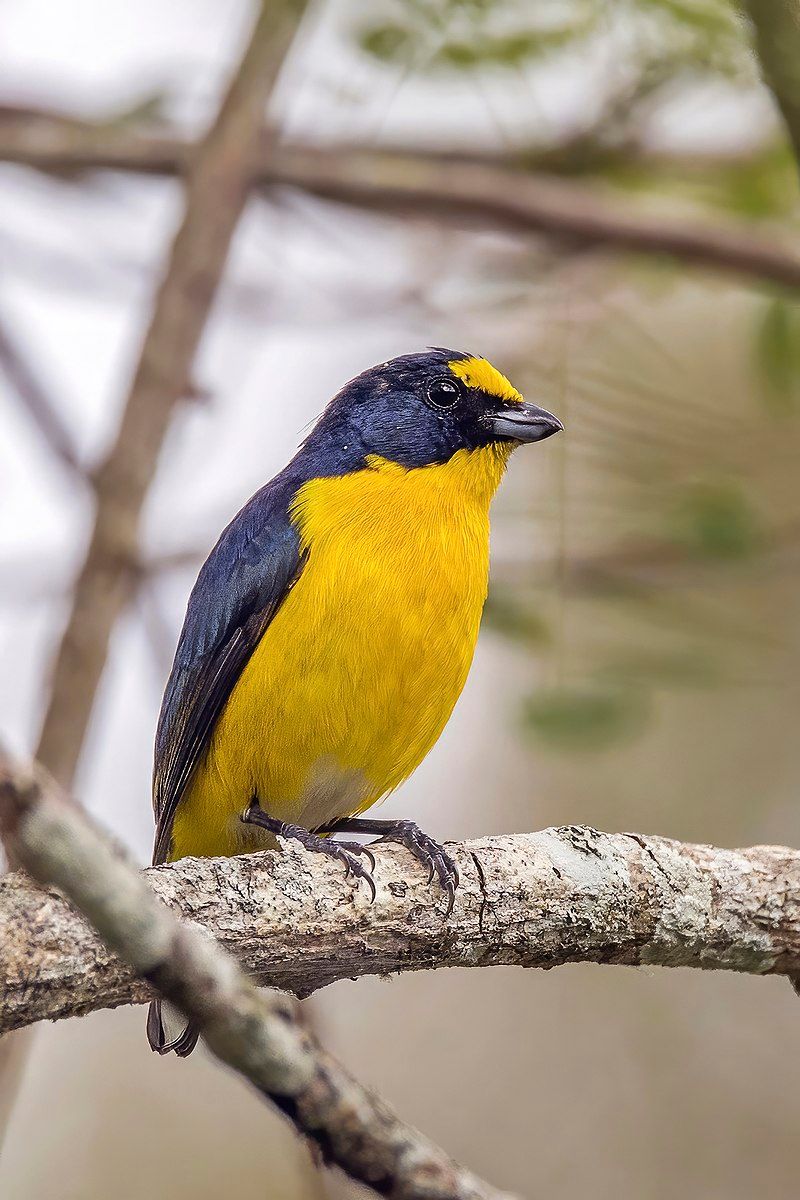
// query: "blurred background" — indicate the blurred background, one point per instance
point(638, 667)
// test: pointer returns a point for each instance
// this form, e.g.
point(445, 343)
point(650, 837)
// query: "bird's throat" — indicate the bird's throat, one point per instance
point(470, 478)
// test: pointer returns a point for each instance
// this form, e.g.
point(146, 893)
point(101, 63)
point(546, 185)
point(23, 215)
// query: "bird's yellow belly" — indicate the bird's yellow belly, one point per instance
point(360, 669)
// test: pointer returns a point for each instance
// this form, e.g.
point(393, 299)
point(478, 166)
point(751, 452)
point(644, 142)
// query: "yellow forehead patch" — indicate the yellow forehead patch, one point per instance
point(479, 373)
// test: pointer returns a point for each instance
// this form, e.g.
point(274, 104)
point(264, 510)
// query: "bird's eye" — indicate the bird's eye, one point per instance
point(443, 393)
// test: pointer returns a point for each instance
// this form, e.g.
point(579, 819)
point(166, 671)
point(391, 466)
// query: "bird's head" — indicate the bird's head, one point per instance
point(422, 409)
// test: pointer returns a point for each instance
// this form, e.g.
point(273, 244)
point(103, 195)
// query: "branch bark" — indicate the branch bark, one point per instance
point(433, 186)
point(531, 900)
point(257, 1033)
point(219, 176)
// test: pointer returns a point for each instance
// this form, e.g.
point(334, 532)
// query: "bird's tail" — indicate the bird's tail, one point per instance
point(167, 1030)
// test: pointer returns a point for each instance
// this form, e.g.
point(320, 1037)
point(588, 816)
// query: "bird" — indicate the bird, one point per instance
point(330, 631)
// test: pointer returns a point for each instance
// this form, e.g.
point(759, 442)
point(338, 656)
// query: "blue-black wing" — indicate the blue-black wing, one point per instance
point(238, 591)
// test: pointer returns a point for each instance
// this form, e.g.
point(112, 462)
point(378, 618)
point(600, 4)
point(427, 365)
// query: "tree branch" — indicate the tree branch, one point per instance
point(437, 186)
point(219, 176)
point(524, 203)
point(776, 25)
point(532, 900)
point(257, 1033)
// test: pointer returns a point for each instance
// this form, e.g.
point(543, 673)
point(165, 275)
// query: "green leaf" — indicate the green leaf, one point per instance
point(584, 719)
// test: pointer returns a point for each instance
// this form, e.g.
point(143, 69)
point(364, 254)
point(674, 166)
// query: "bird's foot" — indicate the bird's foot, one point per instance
point(422, 846)
point(430, 853)
point(348, 853)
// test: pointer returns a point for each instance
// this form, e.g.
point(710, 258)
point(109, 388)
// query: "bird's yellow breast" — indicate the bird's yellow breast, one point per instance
point(360, 669)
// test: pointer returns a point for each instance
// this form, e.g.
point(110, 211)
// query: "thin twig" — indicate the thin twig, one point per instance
point(37, 401)
point(257, 1033)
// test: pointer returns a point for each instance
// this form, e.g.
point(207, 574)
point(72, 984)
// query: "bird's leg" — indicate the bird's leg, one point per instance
point(408, 833)
point(346, 852)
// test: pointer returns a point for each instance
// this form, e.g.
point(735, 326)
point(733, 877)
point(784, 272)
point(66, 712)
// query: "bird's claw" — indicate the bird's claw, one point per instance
point(433, 856)
point(358, 848)
point(348, 853)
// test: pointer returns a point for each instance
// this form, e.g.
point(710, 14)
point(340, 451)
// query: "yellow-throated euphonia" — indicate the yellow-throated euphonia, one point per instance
point(332, 627)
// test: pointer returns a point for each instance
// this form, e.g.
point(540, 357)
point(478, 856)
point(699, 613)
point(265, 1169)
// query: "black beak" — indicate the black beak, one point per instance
point(524, 423)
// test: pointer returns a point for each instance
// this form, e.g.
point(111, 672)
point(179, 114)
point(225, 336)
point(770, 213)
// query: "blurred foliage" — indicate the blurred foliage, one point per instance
point(697, 35)
point(506, 612)
point(464, 34)
point(715, 520)
point(586, 718)
point(679, 667)
point(672, 564)
point(662, 50)
point(778, 355)
point(756, 185)
point(760, 185)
